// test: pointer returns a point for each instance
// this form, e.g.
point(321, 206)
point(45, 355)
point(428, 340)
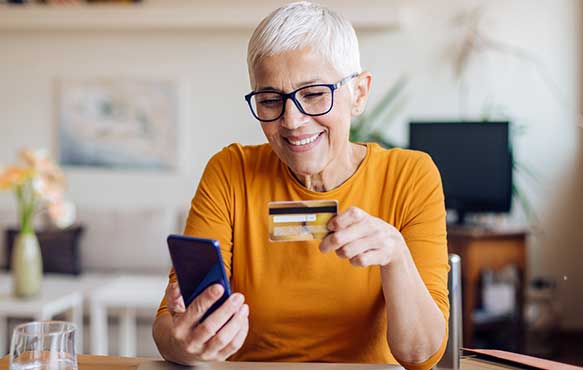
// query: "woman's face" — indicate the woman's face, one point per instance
point(307, 145)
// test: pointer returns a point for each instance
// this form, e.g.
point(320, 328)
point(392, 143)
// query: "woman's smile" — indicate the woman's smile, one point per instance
point(303, 143)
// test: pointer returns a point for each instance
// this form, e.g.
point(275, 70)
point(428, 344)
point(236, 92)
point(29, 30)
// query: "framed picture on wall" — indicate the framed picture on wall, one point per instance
point(119, 123)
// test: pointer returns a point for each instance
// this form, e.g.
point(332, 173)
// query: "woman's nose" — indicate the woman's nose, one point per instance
point(292, 117)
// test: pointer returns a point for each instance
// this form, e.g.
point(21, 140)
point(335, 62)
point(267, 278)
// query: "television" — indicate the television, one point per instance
point(474, 159)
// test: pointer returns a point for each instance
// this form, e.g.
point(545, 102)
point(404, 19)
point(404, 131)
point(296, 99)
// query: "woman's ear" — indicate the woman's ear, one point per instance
point(361, 92)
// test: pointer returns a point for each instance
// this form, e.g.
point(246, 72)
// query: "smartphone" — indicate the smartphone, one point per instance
point(198, 264)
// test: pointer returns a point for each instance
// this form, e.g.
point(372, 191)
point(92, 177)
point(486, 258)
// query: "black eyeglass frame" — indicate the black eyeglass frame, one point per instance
point(292, 96)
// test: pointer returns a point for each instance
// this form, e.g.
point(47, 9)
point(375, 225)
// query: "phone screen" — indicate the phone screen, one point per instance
point(198, 264)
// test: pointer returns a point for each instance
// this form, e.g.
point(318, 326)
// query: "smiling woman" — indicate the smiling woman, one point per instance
point(314, 146)
point(381, 297)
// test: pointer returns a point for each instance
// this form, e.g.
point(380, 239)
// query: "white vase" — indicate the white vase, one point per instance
point(27, 266)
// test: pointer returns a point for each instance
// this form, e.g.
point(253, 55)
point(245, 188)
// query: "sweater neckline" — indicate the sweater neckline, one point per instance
point(328, 194)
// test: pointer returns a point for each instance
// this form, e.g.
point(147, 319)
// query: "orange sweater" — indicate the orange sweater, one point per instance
point(305, 305)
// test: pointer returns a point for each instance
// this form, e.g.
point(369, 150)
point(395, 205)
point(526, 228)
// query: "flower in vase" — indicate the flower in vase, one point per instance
point(62, 213)
point(14, 176)
point(39, 185)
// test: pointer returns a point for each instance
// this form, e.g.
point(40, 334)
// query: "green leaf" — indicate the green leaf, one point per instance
point(521, 168)
point(525, 204)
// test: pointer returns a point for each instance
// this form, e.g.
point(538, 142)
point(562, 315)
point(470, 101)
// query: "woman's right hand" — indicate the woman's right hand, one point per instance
point(219, 336)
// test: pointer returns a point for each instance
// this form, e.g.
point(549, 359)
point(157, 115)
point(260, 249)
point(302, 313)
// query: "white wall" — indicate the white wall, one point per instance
point(212, 65)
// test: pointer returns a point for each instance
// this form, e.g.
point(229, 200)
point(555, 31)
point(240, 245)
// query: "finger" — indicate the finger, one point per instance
point(213, 323)
point(346, 218)
point(371, 257)
point(236, 343)
point(172, 290)
point(227, 333)
point(342, 237)
point(197, 309)
point(356, 247)
point(174, 300)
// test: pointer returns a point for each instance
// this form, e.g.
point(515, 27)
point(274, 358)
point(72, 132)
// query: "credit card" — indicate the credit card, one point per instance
point(300, 220)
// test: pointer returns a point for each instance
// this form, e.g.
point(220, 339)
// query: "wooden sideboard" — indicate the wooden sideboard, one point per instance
point(481, 249)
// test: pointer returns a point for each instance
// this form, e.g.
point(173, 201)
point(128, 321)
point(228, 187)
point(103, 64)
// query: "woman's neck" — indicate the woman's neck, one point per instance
point(336, 174)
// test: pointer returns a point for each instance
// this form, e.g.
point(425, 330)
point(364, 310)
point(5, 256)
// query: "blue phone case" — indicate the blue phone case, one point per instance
point(198, 264)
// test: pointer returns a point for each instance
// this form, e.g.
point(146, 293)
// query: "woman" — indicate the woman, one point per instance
point(375, 288)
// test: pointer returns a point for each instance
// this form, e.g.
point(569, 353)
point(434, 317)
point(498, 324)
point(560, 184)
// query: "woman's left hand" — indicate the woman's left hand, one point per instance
point(363, 239)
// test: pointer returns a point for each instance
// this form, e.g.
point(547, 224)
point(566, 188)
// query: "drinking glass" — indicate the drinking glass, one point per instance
point(43, 345)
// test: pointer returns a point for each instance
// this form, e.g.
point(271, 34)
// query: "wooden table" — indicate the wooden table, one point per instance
point(87, 362)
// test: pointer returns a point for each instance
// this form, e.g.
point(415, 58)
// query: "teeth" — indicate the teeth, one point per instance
point(304, 141)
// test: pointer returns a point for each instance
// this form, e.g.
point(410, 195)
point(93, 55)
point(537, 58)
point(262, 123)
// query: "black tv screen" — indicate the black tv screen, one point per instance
point(475, 162)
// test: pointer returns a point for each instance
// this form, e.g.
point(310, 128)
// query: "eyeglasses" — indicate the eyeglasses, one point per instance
point(311, 100)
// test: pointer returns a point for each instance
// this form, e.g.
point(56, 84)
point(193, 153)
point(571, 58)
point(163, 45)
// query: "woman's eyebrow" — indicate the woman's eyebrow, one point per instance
point(298, 85)
point(309, 82)
point(267, 88)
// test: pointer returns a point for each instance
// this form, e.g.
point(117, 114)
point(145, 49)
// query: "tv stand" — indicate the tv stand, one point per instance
point(461, 219)
point(483, 248)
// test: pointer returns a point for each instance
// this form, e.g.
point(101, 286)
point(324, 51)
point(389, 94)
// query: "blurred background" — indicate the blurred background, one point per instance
point(132, 98)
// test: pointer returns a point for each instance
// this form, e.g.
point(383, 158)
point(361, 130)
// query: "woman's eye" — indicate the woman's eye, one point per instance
point(270, 102)
point(312, 95)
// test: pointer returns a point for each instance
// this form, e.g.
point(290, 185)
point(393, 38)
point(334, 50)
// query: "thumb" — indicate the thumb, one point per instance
point(203, 302)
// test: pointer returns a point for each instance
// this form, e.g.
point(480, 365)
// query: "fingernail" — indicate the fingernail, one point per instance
point(216, 290)
point(331, 226)
point(237, 298)
point(245, 310)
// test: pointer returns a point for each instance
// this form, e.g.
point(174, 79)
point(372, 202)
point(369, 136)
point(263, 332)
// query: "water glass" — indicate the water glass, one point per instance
point(43, 345)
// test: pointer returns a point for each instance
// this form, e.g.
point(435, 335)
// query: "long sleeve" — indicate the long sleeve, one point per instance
point(424, 231)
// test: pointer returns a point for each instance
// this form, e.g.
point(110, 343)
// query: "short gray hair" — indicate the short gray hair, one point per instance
point(305, 24)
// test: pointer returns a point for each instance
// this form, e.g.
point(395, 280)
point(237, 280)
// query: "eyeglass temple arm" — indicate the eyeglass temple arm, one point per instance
point(346, 79)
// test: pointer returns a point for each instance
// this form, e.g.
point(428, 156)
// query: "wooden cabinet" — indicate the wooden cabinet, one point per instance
point(481, 249)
